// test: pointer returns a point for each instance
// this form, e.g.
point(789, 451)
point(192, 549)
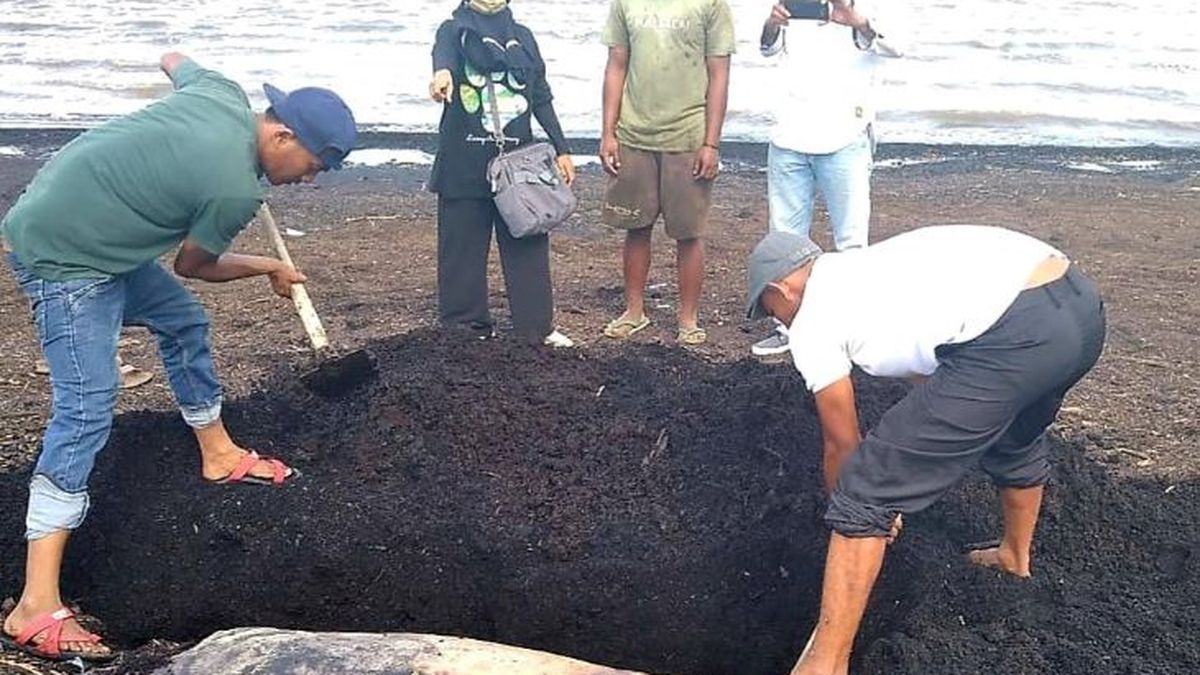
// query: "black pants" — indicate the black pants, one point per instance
point(989, 403)
point(464, 238)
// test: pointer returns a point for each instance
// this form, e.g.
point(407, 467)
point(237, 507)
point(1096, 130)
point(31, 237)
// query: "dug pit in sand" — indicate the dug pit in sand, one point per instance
point(638, 507)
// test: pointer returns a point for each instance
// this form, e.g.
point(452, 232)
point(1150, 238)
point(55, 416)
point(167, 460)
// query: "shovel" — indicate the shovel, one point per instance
point(335, 373)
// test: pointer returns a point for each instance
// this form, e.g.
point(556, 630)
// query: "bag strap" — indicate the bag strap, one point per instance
point(498, 129)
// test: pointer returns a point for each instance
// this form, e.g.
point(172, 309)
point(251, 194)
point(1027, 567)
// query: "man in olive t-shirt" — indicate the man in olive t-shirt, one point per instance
point(666, 86)
point(83, 241)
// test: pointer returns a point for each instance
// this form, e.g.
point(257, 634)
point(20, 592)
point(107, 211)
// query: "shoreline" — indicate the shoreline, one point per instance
point(415, 150)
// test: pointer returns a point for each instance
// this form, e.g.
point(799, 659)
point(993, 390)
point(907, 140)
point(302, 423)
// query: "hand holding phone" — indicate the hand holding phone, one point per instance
point(779, 16)
point(811, 10)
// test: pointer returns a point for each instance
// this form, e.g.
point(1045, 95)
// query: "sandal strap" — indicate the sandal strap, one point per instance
point(50, 623)
point(243, 467)
point(279, 470)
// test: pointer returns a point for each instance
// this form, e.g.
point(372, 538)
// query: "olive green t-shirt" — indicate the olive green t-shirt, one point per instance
point(662, 108)
point(124, 193)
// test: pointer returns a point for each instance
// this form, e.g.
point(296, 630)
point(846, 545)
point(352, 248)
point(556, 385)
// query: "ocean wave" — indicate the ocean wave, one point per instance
point(1103, 73)
point(27, 26)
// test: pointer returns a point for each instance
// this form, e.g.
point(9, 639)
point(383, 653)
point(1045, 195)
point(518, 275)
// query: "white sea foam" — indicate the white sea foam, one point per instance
point(1090, 167)
point(1114, 167)
point(898, 162)
point(381, 156)
point(1139, 164)
point(10, 151)
point(409, 156)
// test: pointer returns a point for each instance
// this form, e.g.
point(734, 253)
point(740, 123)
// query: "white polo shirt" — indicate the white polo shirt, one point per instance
point(887, 307)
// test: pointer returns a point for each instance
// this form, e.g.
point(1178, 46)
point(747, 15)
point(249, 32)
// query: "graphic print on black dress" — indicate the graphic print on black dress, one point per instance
point(475, 97)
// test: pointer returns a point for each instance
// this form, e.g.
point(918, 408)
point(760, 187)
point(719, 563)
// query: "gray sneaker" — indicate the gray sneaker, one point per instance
point(773, 345)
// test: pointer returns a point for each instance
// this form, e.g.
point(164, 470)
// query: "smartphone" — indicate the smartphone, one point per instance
point(813, 10)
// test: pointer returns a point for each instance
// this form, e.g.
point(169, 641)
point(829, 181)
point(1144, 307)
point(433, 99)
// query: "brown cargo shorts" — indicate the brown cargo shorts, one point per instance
point(652, 183)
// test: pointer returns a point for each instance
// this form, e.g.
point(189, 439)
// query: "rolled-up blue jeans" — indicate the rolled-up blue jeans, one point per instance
point(79, 322)
point(844, 180)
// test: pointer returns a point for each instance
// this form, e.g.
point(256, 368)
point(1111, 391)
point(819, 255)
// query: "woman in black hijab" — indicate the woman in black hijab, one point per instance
point(482, 41)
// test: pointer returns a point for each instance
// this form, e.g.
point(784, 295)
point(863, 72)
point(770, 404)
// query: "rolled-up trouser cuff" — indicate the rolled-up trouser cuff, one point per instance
point(855, 519)
point(200, 416)
point(1023, 483)
point(1023, 467)
point(52, 509)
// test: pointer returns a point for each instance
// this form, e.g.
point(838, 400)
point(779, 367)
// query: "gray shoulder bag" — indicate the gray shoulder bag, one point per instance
point(529, 193)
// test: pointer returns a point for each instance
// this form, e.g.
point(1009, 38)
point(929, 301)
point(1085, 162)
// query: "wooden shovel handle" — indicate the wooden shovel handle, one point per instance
point(304, 306)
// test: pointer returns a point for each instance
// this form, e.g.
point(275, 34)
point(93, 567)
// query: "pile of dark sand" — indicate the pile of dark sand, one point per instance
point(642, 508)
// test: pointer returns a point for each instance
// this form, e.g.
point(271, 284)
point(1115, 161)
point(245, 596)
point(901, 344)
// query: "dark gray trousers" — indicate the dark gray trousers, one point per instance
point(989, 403)
point(464, 238)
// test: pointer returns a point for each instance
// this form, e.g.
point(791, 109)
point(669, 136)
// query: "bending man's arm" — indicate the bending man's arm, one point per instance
point(839, 427)
point(193, 262)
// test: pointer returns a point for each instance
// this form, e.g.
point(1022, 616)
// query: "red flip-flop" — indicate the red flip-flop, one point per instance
point(281, 472)
point(51, 623)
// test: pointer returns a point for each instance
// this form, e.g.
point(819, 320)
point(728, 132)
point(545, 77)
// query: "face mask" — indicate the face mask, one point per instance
point(487, 6)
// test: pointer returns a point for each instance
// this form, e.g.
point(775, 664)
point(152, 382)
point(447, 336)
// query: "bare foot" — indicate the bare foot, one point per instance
point(73, 640)
point(1001, 559)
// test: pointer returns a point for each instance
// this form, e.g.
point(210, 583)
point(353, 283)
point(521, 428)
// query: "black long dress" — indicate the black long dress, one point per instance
point(466, 213)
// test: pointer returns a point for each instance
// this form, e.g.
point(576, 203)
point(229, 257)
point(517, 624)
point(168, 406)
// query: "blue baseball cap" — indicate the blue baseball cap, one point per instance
point(320, 119)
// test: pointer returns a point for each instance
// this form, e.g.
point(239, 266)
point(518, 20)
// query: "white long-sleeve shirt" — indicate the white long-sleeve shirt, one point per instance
point(825, 97)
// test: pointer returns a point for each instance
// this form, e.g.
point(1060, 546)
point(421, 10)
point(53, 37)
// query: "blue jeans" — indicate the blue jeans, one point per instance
point(844, 179)
point(79, 322)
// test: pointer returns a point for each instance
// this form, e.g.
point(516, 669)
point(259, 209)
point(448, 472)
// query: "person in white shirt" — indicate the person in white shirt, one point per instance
point(823, 139)
point(993, 325)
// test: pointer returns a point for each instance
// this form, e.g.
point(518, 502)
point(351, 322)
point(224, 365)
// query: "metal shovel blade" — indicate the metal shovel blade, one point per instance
point(336, 376)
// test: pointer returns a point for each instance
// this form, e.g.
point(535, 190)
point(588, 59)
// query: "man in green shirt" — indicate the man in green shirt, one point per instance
point(83, 241)
point(666, 86)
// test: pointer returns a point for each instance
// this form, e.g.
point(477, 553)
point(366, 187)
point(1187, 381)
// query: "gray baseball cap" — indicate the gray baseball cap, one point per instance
point(776, 256)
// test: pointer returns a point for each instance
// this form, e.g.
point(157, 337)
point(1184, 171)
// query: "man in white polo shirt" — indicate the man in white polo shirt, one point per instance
point(824, 109)
point(995, 326)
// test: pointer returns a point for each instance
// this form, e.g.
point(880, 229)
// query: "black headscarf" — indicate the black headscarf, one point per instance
point(490, 42)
